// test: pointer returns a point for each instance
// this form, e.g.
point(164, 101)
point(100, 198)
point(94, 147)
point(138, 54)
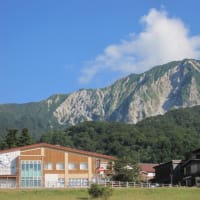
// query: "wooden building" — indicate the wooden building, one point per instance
point(46, 165)
point(147, 172)
point(169, 172)
point(191, 170)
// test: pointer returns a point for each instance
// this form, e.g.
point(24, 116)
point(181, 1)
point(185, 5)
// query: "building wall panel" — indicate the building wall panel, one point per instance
point(77, 158)
point(8, 163)
point(78, 175)
point(52, 155)
point(31, 152)
point(31, 157)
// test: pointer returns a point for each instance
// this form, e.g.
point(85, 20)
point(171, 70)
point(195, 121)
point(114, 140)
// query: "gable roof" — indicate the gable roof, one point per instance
point(58, 147)
point(147, 167)
point(172, 162)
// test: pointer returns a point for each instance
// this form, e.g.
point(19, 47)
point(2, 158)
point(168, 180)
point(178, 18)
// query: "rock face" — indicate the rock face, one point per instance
point(130, 99)
point(80, 106)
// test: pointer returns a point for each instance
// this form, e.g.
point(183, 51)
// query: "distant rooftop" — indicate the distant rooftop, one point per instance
point(147, 167)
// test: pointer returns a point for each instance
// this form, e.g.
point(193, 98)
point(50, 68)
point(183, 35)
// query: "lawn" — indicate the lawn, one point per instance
point(119, 194)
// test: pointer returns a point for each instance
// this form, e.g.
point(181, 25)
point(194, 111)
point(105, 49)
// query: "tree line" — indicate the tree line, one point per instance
point(15, 139)
point(155, 139)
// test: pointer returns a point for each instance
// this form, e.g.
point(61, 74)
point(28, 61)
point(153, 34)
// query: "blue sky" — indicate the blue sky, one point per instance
point(59, 46)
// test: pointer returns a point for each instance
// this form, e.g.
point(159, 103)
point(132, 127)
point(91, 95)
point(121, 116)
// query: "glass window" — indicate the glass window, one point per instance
point(61, 182)
point(48, 166)
point(31, 173)
point(60, 166)
point(84, 166)
point(72, 166)
point(74, 182)
point(84, 182)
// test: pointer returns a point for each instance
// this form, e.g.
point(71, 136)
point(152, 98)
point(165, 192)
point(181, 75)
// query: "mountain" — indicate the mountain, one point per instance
point(135, 97)
point(130, 99)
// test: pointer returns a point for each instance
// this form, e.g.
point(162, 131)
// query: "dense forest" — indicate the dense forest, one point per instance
point(156, 139)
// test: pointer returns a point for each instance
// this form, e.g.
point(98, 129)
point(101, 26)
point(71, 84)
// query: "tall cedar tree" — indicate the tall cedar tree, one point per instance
point(11, 138)
point(25, 138)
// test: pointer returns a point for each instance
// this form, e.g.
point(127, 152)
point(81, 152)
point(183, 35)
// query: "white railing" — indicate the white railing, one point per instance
point(113, 184)
point(120, 184)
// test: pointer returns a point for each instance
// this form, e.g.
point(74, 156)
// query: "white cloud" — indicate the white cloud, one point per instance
point(164, 39)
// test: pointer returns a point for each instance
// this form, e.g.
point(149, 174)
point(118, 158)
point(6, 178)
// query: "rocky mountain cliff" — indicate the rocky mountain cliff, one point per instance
point(130, 99)
point(135, 97)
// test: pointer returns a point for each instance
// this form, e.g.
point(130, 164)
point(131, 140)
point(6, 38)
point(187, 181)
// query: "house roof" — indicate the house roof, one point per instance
point(196, 151)
point(147, 167)
point(170, 162)
point(189, 161)
point(58, 147)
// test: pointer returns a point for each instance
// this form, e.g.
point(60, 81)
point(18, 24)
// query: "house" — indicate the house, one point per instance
point(147, 172)
point(184, 172)
point(195, 154)
point(191, 170)
point(46, 165)
point(169, 172)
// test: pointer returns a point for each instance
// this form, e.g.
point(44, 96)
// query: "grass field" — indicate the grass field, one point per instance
point(119, 194)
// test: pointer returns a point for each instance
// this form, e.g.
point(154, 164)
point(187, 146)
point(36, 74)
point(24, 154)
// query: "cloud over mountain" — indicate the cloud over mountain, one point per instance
point(163, 39)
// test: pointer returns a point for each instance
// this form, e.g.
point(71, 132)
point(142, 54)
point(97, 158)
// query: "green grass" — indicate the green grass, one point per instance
point(119, 194)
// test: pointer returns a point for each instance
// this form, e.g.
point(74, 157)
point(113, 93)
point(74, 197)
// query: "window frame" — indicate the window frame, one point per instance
point(85, 164)
point(72, 168)
point(46, 166)
point(60, 166)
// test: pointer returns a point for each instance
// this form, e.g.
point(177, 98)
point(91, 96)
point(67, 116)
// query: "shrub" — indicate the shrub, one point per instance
point(98, 191)
point(107, 192)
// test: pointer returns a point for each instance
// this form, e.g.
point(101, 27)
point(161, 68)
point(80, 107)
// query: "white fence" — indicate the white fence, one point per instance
point(113, 184)
point(120, 184)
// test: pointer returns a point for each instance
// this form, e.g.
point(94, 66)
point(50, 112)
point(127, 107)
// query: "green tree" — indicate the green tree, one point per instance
point(57, 137)
point(11, 138)
point(3, 144)
point(126, 169)
point(25, 138)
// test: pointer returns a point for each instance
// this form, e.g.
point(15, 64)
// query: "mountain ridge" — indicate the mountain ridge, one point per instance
point(129, 99)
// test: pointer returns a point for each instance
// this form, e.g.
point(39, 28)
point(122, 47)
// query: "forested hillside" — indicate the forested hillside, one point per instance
point(128, 100)
point(156, 139)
